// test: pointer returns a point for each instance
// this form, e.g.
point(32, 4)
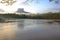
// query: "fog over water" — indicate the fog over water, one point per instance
point(30, 29)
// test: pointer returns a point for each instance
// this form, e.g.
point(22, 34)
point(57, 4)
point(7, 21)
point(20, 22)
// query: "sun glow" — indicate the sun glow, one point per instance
point(9, 8)
point(14, 7)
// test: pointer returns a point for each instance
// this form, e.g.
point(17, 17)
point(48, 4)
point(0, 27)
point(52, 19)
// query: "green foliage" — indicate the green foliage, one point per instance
point(32, 16)
point(51, 16)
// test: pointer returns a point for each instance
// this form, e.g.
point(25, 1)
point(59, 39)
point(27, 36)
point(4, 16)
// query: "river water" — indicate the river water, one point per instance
point(30, 29)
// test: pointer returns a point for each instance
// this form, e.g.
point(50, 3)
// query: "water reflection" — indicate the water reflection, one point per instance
point(7, 31)
point(28, 29)
point(20, 24)
point(38, 30)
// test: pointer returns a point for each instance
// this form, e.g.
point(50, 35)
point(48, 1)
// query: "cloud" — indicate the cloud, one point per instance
point(1, 10)
point(53, 9)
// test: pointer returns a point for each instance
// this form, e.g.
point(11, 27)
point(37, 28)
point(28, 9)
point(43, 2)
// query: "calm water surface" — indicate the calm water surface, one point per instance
point(30, 29)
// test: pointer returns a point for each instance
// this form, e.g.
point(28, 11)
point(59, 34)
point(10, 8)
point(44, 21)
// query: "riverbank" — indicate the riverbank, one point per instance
point(31, 16)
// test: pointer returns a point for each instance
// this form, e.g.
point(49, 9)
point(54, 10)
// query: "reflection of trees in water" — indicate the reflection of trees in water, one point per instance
point(20, 24)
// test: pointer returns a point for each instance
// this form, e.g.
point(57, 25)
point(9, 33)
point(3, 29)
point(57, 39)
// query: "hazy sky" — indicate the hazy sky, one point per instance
point(41, 6)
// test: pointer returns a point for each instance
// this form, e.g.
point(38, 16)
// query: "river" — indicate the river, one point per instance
point(30, 29)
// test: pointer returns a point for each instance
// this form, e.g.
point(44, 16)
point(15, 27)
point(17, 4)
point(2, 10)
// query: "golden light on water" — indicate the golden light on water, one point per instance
point(7, 31)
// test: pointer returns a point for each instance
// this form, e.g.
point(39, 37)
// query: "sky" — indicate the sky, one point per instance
point(42, 6)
